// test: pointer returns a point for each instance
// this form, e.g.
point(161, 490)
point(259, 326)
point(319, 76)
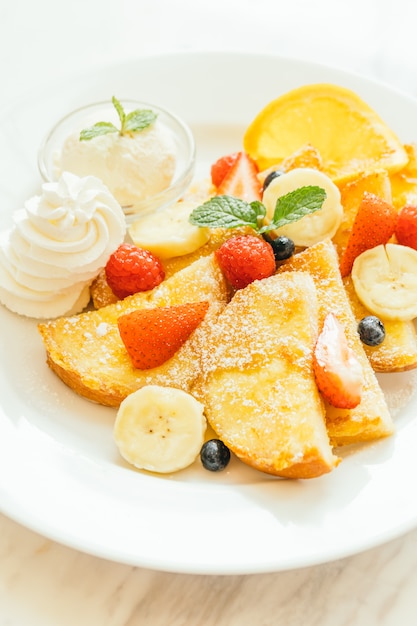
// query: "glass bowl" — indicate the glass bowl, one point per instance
point(84, 117)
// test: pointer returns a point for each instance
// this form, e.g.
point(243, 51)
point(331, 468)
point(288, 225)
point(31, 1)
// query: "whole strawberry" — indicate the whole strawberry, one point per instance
point(244, 259)
point(406, 230)
point(131, 269)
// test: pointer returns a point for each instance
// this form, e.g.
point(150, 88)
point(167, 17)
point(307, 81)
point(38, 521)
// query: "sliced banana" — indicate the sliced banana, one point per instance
point(312, 228)
point(160, 429)
point(385, 281)
point(168, 233)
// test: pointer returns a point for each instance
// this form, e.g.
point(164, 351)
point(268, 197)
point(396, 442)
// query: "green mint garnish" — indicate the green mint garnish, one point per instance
point(228, 212)
point(231, 212)
point(133, 122)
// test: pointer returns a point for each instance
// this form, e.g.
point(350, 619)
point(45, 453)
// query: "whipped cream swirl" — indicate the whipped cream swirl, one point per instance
point(59, 242)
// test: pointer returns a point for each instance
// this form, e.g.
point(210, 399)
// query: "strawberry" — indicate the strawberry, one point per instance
point(244, 259)
point(406, 230)
point(131, 269)
point(221, 167)
point(337, 371)
point(374, 224)
point(152, 336)
point(241, 180)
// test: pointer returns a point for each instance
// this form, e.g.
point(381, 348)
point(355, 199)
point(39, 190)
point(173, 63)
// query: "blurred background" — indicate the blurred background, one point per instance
point(50, 38)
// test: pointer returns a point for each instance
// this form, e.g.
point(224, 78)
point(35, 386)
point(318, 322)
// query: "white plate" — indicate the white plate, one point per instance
point(60, 473)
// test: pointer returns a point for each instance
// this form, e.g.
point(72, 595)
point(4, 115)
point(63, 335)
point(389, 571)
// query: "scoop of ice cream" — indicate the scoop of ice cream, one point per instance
point(57, 245)
point(134, 166)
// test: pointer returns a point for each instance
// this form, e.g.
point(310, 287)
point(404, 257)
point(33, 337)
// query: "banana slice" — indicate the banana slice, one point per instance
point(160, 429)
point(312, 228)
point(168, 233)
point(385, 281)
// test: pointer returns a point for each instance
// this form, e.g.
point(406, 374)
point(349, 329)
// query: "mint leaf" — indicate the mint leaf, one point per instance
point(230, 212)
point(133, 122)
point(101, 128)
point(120, 111)
point(138, 120)
point(227, 212)
point(294, 205)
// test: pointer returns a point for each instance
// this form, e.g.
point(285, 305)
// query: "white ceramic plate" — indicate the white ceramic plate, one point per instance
point(60, 473)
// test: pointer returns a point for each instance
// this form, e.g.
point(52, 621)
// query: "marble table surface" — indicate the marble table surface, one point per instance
point(43, 583)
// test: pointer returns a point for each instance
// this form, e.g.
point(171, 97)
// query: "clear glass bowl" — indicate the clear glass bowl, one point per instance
point(74, 122)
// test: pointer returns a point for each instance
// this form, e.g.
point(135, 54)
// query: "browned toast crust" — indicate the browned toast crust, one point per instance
point(87, 353)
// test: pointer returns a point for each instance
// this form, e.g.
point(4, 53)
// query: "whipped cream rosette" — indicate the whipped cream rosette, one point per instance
point(57, 245)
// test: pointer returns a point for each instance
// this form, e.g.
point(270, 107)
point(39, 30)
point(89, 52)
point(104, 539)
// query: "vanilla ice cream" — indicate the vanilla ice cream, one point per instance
point(57, 245)
point(134, 166)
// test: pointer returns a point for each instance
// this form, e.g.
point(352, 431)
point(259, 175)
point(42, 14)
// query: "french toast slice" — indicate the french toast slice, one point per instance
point(87, 353)
point(102, 295)
point(371, 419)
point(398, 352)
point(257, 381)
point(404, 182)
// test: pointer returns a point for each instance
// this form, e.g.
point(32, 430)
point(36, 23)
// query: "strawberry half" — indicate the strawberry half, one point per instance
point(337, 371)
point(406, 230)
point(241, 180)
point(374, 224)
point(152, 336)
point(221, 167)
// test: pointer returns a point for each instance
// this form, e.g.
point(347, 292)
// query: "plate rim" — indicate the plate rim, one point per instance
point(54, 534)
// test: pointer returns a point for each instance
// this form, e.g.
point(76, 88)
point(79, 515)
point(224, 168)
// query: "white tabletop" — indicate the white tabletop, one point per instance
point(45, 584)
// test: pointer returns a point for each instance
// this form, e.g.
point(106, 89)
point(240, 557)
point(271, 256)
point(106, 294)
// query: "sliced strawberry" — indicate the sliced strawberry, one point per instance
point(374, 224)
point(338, 373)
point(241, 180)
point(406, 230)
point(152, 336)
point(221, 167)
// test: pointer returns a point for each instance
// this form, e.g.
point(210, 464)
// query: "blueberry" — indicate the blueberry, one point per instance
point(214, 455)
point(270, 178)
point(371, 330)
point(283, 247)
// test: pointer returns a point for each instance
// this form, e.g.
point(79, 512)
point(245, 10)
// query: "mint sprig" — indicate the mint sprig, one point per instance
point(132, 122)
point(230, 212)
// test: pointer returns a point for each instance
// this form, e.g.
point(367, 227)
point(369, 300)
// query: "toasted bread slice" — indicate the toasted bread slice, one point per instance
point(87, 353)
point(257, 382)
point(371, 418)
point(102, 295)
point(399, 350)
point(404, 182)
